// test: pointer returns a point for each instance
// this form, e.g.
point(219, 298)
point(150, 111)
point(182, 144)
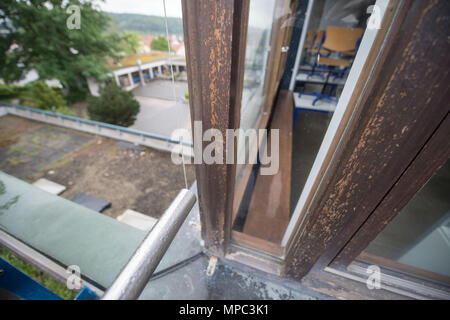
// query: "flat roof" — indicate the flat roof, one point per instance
point(130, 60)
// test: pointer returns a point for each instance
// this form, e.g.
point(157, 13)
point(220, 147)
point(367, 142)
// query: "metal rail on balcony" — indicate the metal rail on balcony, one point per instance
point(137, 272)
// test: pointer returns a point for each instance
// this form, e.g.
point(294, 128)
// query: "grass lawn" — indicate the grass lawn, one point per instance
point(47, 281)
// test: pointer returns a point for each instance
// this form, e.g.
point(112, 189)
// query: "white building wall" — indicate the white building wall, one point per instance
point(93, 86)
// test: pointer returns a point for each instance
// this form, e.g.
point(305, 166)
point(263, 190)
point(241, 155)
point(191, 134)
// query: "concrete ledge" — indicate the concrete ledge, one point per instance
point(98, 128)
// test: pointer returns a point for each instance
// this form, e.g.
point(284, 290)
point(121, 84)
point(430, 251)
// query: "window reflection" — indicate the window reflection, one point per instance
point(420, 234)
point(256, 54)
point(264, 206)
point(259, 32)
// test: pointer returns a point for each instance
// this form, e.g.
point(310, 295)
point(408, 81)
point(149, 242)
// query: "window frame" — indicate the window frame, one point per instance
point(418, 148)
point(319, 237)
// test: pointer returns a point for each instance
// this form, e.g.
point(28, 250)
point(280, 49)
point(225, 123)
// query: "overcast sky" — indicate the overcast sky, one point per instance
point(261, 11)
point(150, 7)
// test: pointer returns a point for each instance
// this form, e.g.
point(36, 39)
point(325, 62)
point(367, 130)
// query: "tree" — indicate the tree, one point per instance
point(129, 42)
point(35, 35)
point(160, 44)
point(115, 106)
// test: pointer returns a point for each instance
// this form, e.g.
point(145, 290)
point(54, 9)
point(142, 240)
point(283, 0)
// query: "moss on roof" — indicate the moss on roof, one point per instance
point(130, 60)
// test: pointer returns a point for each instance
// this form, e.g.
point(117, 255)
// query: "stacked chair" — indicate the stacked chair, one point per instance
point(333, 55)
point(313, 42)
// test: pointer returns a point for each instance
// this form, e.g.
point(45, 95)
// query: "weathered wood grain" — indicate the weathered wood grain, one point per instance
point(401, 108)
point(215, 34)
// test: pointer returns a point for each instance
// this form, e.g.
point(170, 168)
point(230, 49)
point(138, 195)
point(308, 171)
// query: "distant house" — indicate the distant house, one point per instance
point(179, 49)
point(147, 39)
point(176, 43)
point(138, 69)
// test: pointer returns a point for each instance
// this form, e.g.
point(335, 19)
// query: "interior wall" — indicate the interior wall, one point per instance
point(316, 14)
point(345, 13)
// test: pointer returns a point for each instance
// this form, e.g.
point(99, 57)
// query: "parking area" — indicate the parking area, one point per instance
point(162, 89)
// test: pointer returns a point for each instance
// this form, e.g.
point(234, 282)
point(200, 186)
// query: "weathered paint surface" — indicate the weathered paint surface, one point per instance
point(213, 55)
point(408, 100)
point(434, 154)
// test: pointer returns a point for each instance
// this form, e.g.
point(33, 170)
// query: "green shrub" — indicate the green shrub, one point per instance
point(43, 97)
point(76, 94)
point(115, 106)
point(7, 91)
point(37, 95)
point(65, 110)
point(12, 91)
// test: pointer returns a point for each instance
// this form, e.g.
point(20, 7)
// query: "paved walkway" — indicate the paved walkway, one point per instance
point(159, 113)
point(162, 89)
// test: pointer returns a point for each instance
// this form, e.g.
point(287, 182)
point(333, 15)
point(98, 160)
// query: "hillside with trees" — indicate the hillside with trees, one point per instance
point(145, 24)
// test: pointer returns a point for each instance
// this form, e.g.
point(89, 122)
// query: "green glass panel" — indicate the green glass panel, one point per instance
point(65, 231)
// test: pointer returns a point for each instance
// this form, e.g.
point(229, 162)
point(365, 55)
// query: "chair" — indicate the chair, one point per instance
point(313, 42)
point(341, 39)
point(309, 41)
point(340, 47)
point(319, 38)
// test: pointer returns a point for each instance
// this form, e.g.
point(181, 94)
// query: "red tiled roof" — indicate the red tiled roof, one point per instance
point(147, 39)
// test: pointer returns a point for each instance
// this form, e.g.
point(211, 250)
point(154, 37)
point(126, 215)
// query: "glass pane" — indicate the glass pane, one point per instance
point(256, 54)
point(319, 81)
point(420, 235)
point(52, 225)
point(259, 31)
point(264, 205)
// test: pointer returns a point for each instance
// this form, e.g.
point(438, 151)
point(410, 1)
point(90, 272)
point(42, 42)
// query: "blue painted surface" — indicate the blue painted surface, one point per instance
point(22, 285)
point(87, 294)
point(320, 96)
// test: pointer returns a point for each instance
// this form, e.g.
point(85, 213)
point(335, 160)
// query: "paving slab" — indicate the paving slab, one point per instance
point(137, 220)
point(49, 186)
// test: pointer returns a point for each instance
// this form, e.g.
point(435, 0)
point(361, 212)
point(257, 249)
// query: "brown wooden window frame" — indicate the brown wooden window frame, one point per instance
point(378, 144)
